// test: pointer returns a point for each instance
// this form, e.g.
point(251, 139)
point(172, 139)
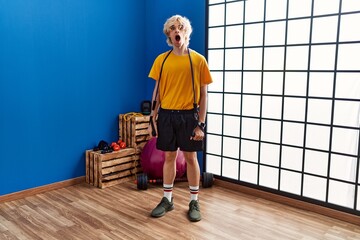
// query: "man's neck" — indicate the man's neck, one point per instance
point(180, 51)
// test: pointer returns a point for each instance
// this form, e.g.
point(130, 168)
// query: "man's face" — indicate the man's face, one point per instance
point(177, 34)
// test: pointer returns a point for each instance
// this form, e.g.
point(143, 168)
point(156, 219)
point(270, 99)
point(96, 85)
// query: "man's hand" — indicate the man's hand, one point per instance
point(198, 134)
point(152, 129)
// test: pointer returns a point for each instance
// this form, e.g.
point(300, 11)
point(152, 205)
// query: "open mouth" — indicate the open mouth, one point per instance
point(177, 38)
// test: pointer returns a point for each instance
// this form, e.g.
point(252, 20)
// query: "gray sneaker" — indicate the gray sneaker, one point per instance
point(163, 207)
point(194, 211)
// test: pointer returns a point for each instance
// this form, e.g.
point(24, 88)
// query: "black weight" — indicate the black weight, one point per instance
point(142, 180)
point(207, 179)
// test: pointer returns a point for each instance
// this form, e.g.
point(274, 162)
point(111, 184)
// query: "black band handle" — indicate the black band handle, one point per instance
point(153, 132)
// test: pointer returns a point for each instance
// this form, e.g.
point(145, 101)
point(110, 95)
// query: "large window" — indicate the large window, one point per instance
point(284, 108)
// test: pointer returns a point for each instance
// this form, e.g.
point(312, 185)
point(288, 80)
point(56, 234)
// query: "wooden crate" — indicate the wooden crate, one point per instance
point(105, 170)
point(134, 131)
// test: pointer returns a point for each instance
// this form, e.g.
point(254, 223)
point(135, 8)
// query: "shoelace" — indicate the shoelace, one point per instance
point(162, 203)
point(194, 207)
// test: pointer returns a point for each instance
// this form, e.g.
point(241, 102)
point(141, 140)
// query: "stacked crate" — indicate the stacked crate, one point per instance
point(105, 170)
point(108, 169)
point(133, 130)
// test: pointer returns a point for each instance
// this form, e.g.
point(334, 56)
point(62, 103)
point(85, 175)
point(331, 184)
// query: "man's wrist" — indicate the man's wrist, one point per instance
point(201, 125)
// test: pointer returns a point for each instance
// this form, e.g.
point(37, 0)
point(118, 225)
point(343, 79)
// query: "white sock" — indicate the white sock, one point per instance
point(168, 191)
point(194, 192)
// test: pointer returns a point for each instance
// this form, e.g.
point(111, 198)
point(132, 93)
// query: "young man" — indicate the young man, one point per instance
point(179, 112)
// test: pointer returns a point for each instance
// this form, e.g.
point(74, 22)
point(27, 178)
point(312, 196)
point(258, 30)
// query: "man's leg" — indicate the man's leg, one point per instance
point(192, 168)
point(193, 175)
point(169, 173)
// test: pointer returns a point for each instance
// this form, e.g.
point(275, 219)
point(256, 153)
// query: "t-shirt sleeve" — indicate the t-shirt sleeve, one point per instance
point(155, 69)
point(205, 73)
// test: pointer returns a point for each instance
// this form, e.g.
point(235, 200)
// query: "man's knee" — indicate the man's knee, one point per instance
point(170, 156)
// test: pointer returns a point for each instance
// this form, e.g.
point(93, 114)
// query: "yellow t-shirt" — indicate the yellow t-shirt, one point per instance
point(176, 88)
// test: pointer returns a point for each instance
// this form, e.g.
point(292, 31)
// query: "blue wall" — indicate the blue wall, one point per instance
point(67, 69)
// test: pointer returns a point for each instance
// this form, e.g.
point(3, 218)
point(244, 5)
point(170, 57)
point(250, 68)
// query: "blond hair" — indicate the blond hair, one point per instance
point(182, 20)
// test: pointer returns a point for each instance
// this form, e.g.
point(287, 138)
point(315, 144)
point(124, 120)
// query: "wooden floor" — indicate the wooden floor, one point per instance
point(122, 212)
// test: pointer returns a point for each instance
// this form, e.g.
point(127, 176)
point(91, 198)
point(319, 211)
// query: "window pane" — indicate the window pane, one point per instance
point(345, 141)
point(250, 151)
point(232, 104)
point(347, 113)
point(314, 187)
point(252, 58)
point(233, 59)
point(275, 33)
point(217, 84)
point(251, 106)
point(216, 37)
point(234, 36)
point(297, 58)
point(298, 31)
point(215, 101)
point(350, 5)
point(274, 58)
point(214, 123)
point(230, 168)
point(275, 9)
point(216, 15)
point(343, 167)
point(321, 84)
point(319, 111)
point(234, 12)
point(342, 194)
point(291, 158)
point(348, 85)
point(295, 83)
point(213, 144)
point(347, 29)
point(232, 126)
point(324, 29)
point(290, 182)
point(252, 82)
point(248, 172)
point(294, 108)
point(216, 59)
point(216, 1)
point(299, 8)
point(250, 128)
point(270, 131)
point(273, 83)
point(293, 133)
point(231, 147)
point(323, 57)
point(213, 164)
point(269, 177)
point(272, 107)
point(349, 57)
point(317, 137)
point(254, 10)
point(232, 82)
point(326, 7)
point(253, 35)
point(269, 154)
point(316, 162)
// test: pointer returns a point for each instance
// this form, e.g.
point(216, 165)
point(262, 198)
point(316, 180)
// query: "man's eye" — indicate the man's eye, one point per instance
point(181, 27)
point(172, 28)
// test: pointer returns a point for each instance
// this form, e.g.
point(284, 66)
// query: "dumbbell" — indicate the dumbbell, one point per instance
point(142, 180)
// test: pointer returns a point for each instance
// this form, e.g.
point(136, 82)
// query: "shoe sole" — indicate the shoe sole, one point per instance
point(194, 219)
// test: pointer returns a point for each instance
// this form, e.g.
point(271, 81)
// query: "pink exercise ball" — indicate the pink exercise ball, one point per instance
point(152, 161)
